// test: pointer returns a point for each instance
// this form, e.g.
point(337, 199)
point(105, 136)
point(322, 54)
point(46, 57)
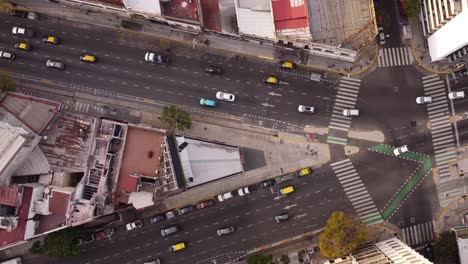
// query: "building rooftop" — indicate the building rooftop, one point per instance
point(254, 18)
point(17, 234)
point(58, 203)
point(204, 161)
point(10, 196)
point(12, 141)
point(211, 14)
point(289, 14)
point(112, 2)
point(35, 164)
point(143, 6)
point(181, 9)
point(35, 113)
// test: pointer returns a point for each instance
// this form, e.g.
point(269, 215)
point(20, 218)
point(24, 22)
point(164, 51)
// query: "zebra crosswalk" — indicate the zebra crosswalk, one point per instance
point(419, 234)
point(346, 98)
point(441, 127)
point(356, 191)
point(390, 57)
point(80, 107)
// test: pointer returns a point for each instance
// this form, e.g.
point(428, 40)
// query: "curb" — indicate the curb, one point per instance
point(420, 63)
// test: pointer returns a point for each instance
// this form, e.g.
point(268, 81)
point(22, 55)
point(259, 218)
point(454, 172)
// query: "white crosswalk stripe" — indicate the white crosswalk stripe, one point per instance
point(441, 130)
point(419, 234)
point(356, 191)
point(346, 98)
point(390, 57)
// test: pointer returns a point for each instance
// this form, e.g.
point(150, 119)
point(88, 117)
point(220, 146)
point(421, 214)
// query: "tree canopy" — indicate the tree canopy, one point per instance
point(411, 7)
point(342, 234)
point(63, 243)
point(176, 117)
point(259, 259)
point(7, 83)
point(446, 248)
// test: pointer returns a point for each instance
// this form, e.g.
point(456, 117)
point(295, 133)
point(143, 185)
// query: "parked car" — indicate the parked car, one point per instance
point(170, 215)
point(185, 210)
point(134, 225)
point(306, 109)
point(285, 191)
point(243, 191)
point(7, 55)
point(156, 261)
point(205, 204)
point(282, 217)
point(456, 95)
point(22, 31)
point(178, 246)
point(400, 150)
point(271, 80)
point(224, 196)
point(304, 172)
point(226, 230)
point(226, 96)
point(287, 65)
point(350, 112)
point(267, 183)
point(104, 233)
point(423, 100)
point(169, 230)
point(381, 36)
point(156, 219)
point(157, 58)
point(208, 102)
point(288, 177)
point(24, 14)
point(55, 64)
point(214, 69)
point(51, 40)
point(22, 46)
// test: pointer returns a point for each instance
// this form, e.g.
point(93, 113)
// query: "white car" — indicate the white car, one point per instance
point(55, 64)
point(400, 150)
point(350, 112)
point(134, 225)
point(306, 109)
point(423, 100)
point(224, 196)
point(456, 95)
point(7, 55)
point(381, 36)
point(225, 96)
point(243, 191)
point(22, 31)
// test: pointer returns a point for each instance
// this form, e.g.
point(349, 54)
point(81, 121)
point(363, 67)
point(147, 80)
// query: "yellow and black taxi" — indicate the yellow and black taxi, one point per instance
point(286, 190)
point(271, 80)
point(22, 46)
point(178, 246)
point(88, 58)
point(50, 40)
point(287, 65)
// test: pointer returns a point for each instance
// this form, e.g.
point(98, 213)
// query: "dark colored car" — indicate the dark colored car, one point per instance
point(214, 69)
point(157, 219)
point(205, 204)
point(103, 234)
point(267, 183)
point(19, 13)
point(185, 210)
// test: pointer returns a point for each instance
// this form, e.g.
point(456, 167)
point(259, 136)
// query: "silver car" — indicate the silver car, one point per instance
point(226, 230)
point(456, 95)
point(55, 64)
point(226, 96)
point(423, 100)
point(306, 109)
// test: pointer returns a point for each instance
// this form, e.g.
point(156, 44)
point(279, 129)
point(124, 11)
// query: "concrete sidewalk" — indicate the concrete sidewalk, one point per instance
point(215, 43)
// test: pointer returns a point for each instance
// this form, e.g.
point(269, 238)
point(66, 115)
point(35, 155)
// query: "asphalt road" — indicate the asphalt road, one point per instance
point(316, 196)
point(121, 68)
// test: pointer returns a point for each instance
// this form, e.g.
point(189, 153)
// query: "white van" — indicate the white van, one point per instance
point(351, 112)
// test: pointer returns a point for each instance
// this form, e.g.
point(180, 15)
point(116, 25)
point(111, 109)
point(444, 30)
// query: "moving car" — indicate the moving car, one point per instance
point(287, 65)
point(224, 196)
point(285, 191)
point(7, 55)
point(304, 172)
point(156, 219)
point(400, 150)
point(22, 31)
point(225, 96)
point(225, 230)
point(214, 69)
point(185, 210)
point(306, 109)
point(205, 204)
point(243, 191)
point(208, 102)
point(88, 58)
point(50, 40)
point(157, 58)
point(423, 100)
point(22, 46)
point(103, 234)
point(156, 261)
point(350, 112)
point(178, 246)
point(271, 80)
point(55, 64)
point(456, 95)
point(169, 230)
point(381, 36)
point(282, 217)
point(134, 225)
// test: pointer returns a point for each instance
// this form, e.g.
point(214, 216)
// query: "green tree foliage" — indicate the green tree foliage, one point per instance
point(342, 234)
point(63, 243)
point(411, 7)
point(7, 83)
point(285, 259)
point(176, 117)
point(259, 259)
point(446, 249)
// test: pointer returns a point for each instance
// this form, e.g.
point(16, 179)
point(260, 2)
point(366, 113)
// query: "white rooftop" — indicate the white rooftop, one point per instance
point(255, 18)
point(12, 141)
point(449, 38)
point(141, 200)
point(204, 161)
point(143, 6)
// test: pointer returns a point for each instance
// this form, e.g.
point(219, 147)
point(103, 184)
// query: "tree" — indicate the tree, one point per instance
point(259, 259)
point(63, 243)
point(285, 259)
point(411, 7)
point(7, 83)
point(446, 248)
point(342, 234)
point(176, 117)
